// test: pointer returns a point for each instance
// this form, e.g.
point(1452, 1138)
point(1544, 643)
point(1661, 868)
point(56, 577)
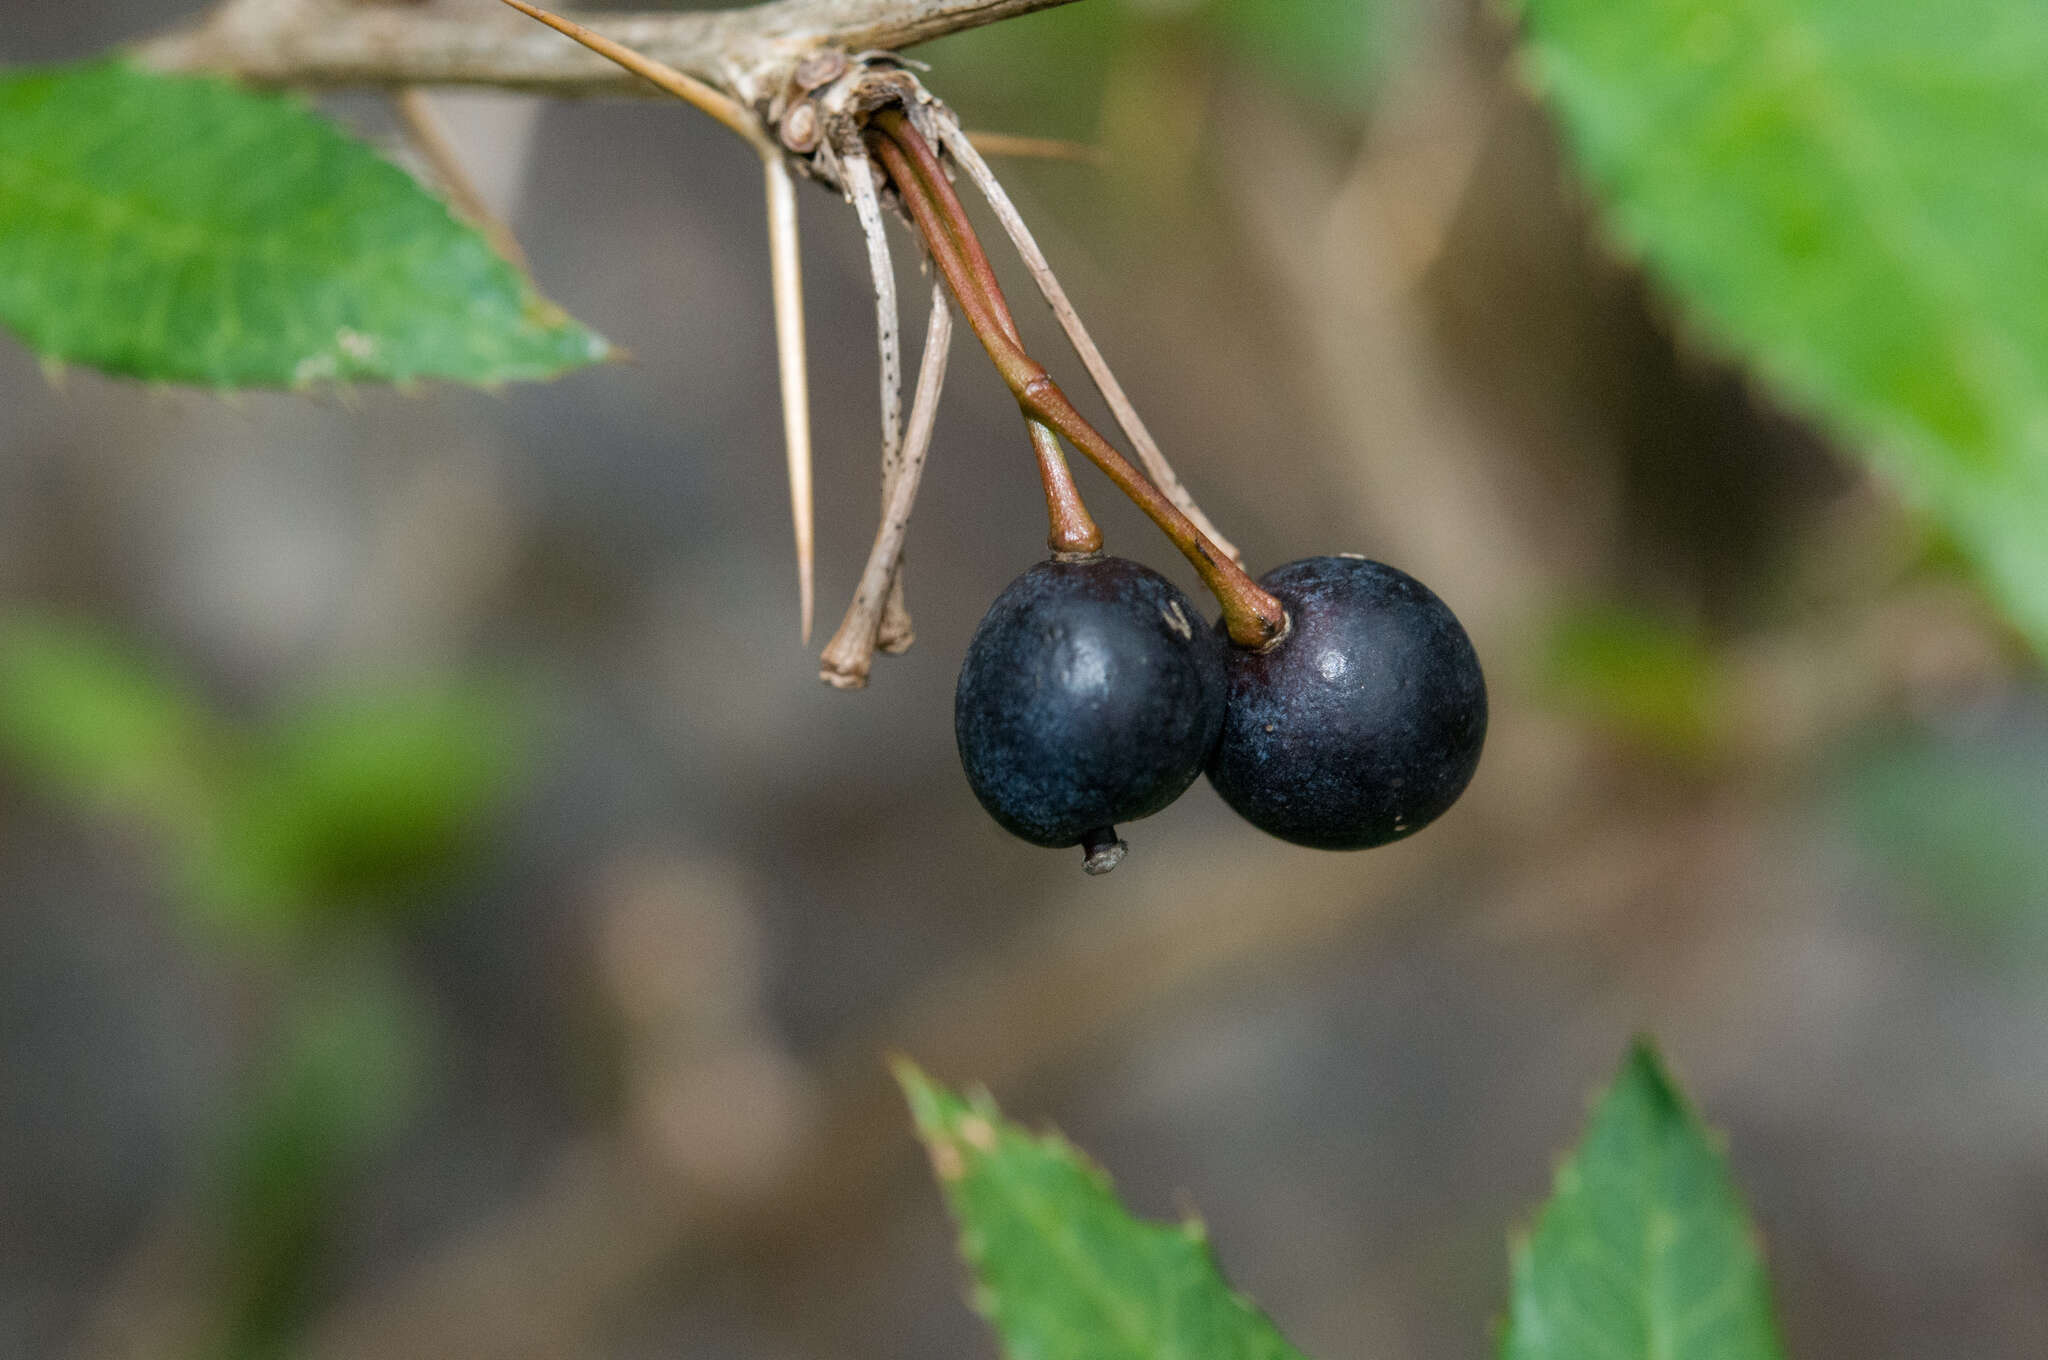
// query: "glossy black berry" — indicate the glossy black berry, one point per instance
point(1364, 723)
point(1091, 695)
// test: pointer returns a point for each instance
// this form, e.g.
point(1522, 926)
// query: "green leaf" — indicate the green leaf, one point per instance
point(182, 229)
point(1848, 194)
point(1644, 1251)
point(1065, 1273)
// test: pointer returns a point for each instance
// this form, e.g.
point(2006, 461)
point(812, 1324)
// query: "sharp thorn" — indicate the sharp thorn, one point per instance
point(683, 86)
point(786, 276)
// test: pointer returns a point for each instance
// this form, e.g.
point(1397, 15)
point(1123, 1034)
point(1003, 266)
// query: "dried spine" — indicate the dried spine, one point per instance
point(786, 275)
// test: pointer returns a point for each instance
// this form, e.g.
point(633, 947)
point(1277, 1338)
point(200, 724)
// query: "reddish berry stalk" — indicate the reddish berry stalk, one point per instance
point(1253, 617)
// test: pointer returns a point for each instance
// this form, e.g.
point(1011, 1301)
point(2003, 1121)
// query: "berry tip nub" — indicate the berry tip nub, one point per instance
point(1103, 850)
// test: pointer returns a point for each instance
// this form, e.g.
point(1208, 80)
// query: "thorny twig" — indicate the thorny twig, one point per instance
point(851, 652)
point(745, 68)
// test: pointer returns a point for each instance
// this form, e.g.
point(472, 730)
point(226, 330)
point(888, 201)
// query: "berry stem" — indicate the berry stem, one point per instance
point(1253, 617)
point(1072, 529)
point(962, 148)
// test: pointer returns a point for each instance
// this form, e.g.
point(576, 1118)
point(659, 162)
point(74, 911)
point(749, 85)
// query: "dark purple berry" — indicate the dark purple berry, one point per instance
point(1091, 695)
point(1361, 725)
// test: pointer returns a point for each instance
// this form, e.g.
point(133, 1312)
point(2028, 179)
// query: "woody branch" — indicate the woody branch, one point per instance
point(746, 52)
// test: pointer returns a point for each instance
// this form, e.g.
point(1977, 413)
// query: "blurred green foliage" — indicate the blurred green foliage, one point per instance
point(357, 801)
point(1339, 52)
point(84, 716)
point(1043, 74)
point(1961, 819)
point(354, 801)
point(1642, 677)
point(1048, 74)
point(344, 1073)
point(302, 841)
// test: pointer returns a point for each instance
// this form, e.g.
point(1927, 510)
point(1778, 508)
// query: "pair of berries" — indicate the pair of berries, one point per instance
point(1093, 693)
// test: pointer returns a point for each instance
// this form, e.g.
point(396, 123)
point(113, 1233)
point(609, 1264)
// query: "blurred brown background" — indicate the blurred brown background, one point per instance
point(597, 1072)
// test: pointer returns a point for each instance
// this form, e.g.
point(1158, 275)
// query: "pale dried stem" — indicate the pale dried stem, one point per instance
point(851, 652)
point(857, 172)
point(867, 206)
point(962, 149)
point(424, 127)
point(1070, 528)
point(895, 633)
point(786, 272)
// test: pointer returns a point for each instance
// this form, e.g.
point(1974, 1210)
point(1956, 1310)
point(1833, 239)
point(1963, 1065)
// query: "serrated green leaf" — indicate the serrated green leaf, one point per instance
point(1065, 1273)
point(1848, 194)
point(182, 229)
point(1644, 1251)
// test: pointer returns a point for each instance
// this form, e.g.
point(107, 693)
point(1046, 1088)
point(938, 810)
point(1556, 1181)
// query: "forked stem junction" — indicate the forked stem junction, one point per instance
point(1253, 617)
